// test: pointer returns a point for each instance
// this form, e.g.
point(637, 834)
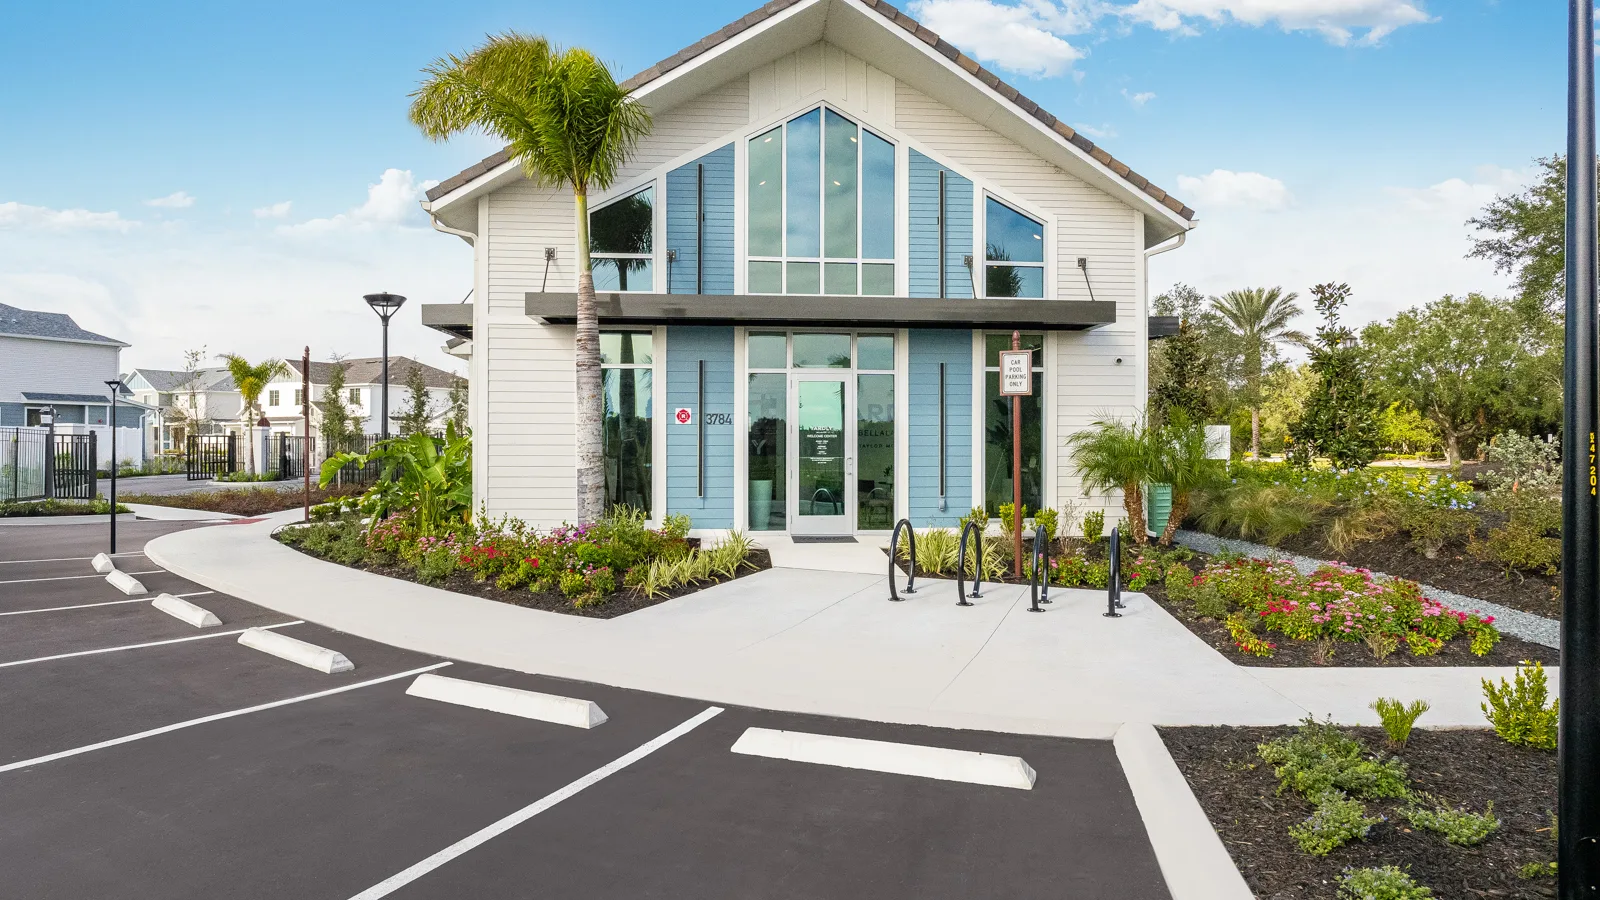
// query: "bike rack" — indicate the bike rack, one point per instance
point(961, 565)
point(1114, 585)
point(911, 560)
point(1041, 572)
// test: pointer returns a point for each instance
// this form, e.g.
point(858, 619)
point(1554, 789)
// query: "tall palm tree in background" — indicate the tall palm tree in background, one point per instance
point(567, 122)
point(251, 380)
point(1258, 321)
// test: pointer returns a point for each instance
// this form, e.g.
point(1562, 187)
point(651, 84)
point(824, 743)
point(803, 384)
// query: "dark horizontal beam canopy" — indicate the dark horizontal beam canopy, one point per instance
point(760, 310)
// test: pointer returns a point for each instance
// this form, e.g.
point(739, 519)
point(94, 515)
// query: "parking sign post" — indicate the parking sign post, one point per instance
point(1016, 382)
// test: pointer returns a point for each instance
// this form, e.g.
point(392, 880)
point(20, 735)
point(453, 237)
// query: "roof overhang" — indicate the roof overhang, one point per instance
point(894, 43)
point(454, 319)
point(759, 311)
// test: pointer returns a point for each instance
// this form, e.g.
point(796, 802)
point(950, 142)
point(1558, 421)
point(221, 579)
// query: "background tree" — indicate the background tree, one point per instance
point(1181, 367)
point(251, 380)
point(1285, 390)
point(566, 121)
point(1470, 365)
point(418, 406)
point(189, 409)
point(1257, 320)
point(338, 427)
point(1403, 430)
point(1527, 237)
point(1340, 420)
point(457, 402)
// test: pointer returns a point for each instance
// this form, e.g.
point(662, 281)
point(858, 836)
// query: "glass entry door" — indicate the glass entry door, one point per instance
point(821, 455)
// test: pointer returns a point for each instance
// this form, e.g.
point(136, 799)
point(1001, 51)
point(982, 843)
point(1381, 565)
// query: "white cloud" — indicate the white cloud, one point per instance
point(175, 200)
point(1234, 190)
point(1339, 21)
point(1097, 133)
point(391, 203)
point(1460, 196)
point(1026, 38)
point(20, 215)
point(275, 211)
point(1139, 99)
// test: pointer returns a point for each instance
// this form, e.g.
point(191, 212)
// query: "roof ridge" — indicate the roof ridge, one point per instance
point(904, 21)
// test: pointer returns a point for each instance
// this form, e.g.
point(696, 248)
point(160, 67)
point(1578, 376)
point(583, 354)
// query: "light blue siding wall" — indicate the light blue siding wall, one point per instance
point(924, 229)
point(686, 347)
point(682, 197)
point(928, 349)
point(12, 414)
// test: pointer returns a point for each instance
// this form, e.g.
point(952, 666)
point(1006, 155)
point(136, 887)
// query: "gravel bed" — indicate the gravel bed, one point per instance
point(1529, 627)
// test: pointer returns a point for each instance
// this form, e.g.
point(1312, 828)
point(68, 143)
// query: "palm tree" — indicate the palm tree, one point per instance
point(1258, 320)
point(1114, 454)
point(251, 380)
point(1183, 461)
point(568, 122)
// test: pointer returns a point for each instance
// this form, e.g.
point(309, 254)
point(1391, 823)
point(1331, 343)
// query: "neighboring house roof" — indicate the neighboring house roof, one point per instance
point(46, 397)
point(937, 44)
point(210, 379)
point(369, 370)
point(15, 322)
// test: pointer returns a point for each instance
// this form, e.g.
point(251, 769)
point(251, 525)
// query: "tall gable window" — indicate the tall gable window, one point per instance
point(1013, 252)
point(821, 208)
point(621, 243)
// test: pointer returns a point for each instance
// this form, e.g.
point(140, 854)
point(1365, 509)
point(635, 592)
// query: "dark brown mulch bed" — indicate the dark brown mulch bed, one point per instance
point(254, 501)
point(624, 601)
point(1290, 653)
point(1239, 793)
point(1454, 570)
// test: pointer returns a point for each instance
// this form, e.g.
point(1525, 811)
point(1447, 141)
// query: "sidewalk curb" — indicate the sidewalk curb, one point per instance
point(1194, 863)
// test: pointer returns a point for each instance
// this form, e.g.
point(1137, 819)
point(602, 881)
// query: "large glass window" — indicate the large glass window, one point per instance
point(769, 417)
point(621, 243)
point(997, 428)
point(1013, 254)
point(874, 449)
point(626, 360)
point(821, 208)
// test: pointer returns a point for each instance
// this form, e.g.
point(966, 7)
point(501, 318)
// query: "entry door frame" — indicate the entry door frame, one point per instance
point(813, 525)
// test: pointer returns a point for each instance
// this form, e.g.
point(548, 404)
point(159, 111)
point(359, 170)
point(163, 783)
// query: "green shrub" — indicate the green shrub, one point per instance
point(1094, 525)
point(1045, 522)
point(729, 556)
point(1336, 821)
point(1097, 575)
point(1516, 545)
point(573, 585)
point(1459, 826)
point(1320, 756)
point(677, 525)
point(1432, 528)
point(436, 565)
point(1398, 718)
point(1386, 883)
point(1537, 870)
point(602, 582)
point(1517, 710)
point(1178, 582)
point(936, 551)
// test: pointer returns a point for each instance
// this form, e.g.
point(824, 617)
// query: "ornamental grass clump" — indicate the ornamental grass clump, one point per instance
point(1517, 709)
point(1336, 821)
point(1321, 756)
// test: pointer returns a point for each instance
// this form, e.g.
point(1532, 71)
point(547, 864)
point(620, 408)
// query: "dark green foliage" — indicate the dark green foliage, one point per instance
point(1528, 236)
point(338, 427)
point(1321, 756)
point(1184, 381)
point(418, 409)
point(1384, 883)
point(1336, 821)
point(1340, 420)
point(1459, 826)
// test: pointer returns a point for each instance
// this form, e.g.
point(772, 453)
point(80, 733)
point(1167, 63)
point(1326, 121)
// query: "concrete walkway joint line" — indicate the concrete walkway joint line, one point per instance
point(510, 701)
point(401, 879)
point(184, 611)
point(37, 760)
point(886, 756)
point(329, 662)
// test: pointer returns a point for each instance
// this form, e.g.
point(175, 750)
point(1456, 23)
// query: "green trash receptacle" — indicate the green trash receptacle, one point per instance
point(1157, 507)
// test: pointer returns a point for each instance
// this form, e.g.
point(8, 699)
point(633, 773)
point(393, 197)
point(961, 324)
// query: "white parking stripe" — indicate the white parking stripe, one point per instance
point(213, 718)
point(71, 577)
point(195, 594)
point(23, 612)
point(395, 882)
point(198, 637)
point(16, 562)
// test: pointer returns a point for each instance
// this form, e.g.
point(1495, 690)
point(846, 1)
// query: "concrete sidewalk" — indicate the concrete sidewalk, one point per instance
point(828, 642)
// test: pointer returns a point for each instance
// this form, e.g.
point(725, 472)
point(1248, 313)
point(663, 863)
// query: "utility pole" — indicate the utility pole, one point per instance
point(305, 411)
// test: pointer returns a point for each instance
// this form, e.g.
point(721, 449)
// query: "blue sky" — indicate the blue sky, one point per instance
point(274, 144)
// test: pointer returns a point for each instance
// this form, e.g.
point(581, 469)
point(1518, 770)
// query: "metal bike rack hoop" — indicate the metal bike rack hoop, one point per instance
point(911, 559)
point(973, 529)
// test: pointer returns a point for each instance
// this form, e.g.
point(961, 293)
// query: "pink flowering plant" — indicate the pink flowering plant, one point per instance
point(1338, 602)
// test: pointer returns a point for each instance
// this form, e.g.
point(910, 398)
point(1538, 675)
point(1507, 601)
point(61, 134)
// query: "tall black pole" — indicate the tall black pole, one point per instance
point(1578, 851)
point(384, 426)
point(113, 470)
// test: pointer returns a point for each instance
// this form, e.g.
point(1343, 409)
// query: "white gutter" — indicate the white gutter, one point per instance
point(467, 236)
point(1168, 244)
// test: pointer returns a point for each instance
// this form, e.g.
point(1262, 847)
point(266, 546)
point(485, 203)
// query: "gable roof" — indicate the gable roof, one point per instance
point(15, 322)
point(213, 378)
point(369, 370)
point(935, 44)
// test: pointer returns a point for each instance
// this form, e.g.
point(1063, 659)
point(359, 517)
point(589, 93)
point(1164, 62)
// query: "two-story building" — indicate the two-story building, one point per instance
point(363, 394)
point(200, 401)
point(48, 362)
point(806, 274)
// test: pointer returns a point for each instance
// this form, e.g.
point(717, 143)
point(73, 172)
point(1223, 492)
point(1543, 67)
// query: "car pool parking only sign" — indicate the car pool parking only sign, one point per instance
point(1016, 373)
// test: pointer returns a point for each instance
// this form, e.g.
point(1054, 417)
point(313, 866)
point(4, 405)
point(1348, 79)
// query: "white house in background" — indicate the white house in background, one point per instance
point(363, 393)
point(202, 401)
point(48, 363)
point(806, 274)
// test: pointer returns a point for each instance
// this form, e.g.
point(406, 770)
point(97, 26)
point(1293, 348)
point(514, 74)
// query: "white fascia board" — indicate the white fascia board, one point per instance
point(451, 209)
point(62, 340)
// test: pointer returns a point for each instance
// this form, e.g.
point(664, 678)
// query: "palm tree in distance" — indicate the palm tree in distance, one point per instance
point(1258, 320)
point(567, 122)
point(250, 381)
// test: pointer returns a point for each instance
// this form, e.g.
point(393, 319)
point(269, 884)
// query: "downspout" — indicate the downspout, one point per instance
point(467, 236)
point(1168, 244)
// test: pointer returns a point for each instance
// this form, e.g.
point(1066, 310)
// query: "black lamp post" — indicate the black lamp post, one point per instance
point(115, 385)
point(385, 305)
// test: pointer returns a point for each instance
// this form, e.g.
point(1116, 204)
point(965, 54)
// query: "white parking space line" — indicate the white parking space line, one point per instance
point(397, 881)
point(18, 562)
point(921, 761)
point(193, 594)
point(37, 760)
point(23, 612)
point(71, 577)
point(198, 637)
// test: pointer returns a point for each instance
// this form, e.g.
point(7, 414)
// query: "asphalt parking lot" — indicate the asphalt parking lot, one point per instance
point(143, 757)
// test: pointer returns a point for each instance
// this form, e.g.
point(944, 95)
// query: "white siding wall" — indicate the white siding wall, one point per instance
point(56, 367)
point(689, 127)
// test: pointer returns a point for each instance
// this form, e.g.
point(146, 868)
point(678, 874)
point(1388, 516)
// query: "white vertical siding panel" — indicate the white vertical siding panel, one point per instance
point(822, 71)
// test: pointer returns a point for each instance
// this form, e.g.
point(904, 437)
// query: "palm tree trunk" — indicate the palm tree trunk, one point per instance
point(1180, 508)
point(1255, 433)
point(1133, 506)
point(587, 421)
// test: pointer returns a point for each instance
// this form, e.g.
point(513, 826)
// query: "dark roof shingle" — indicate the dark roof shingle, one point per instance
point(369, 370)
point(32, 323)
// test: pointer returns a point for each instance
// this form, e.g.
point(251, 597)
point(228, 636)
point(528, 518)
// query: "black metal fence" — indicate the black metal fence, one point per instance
point(38, 464)
point(350, 473)
point(74, 466)
point(286, 455)
point(210, 455)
